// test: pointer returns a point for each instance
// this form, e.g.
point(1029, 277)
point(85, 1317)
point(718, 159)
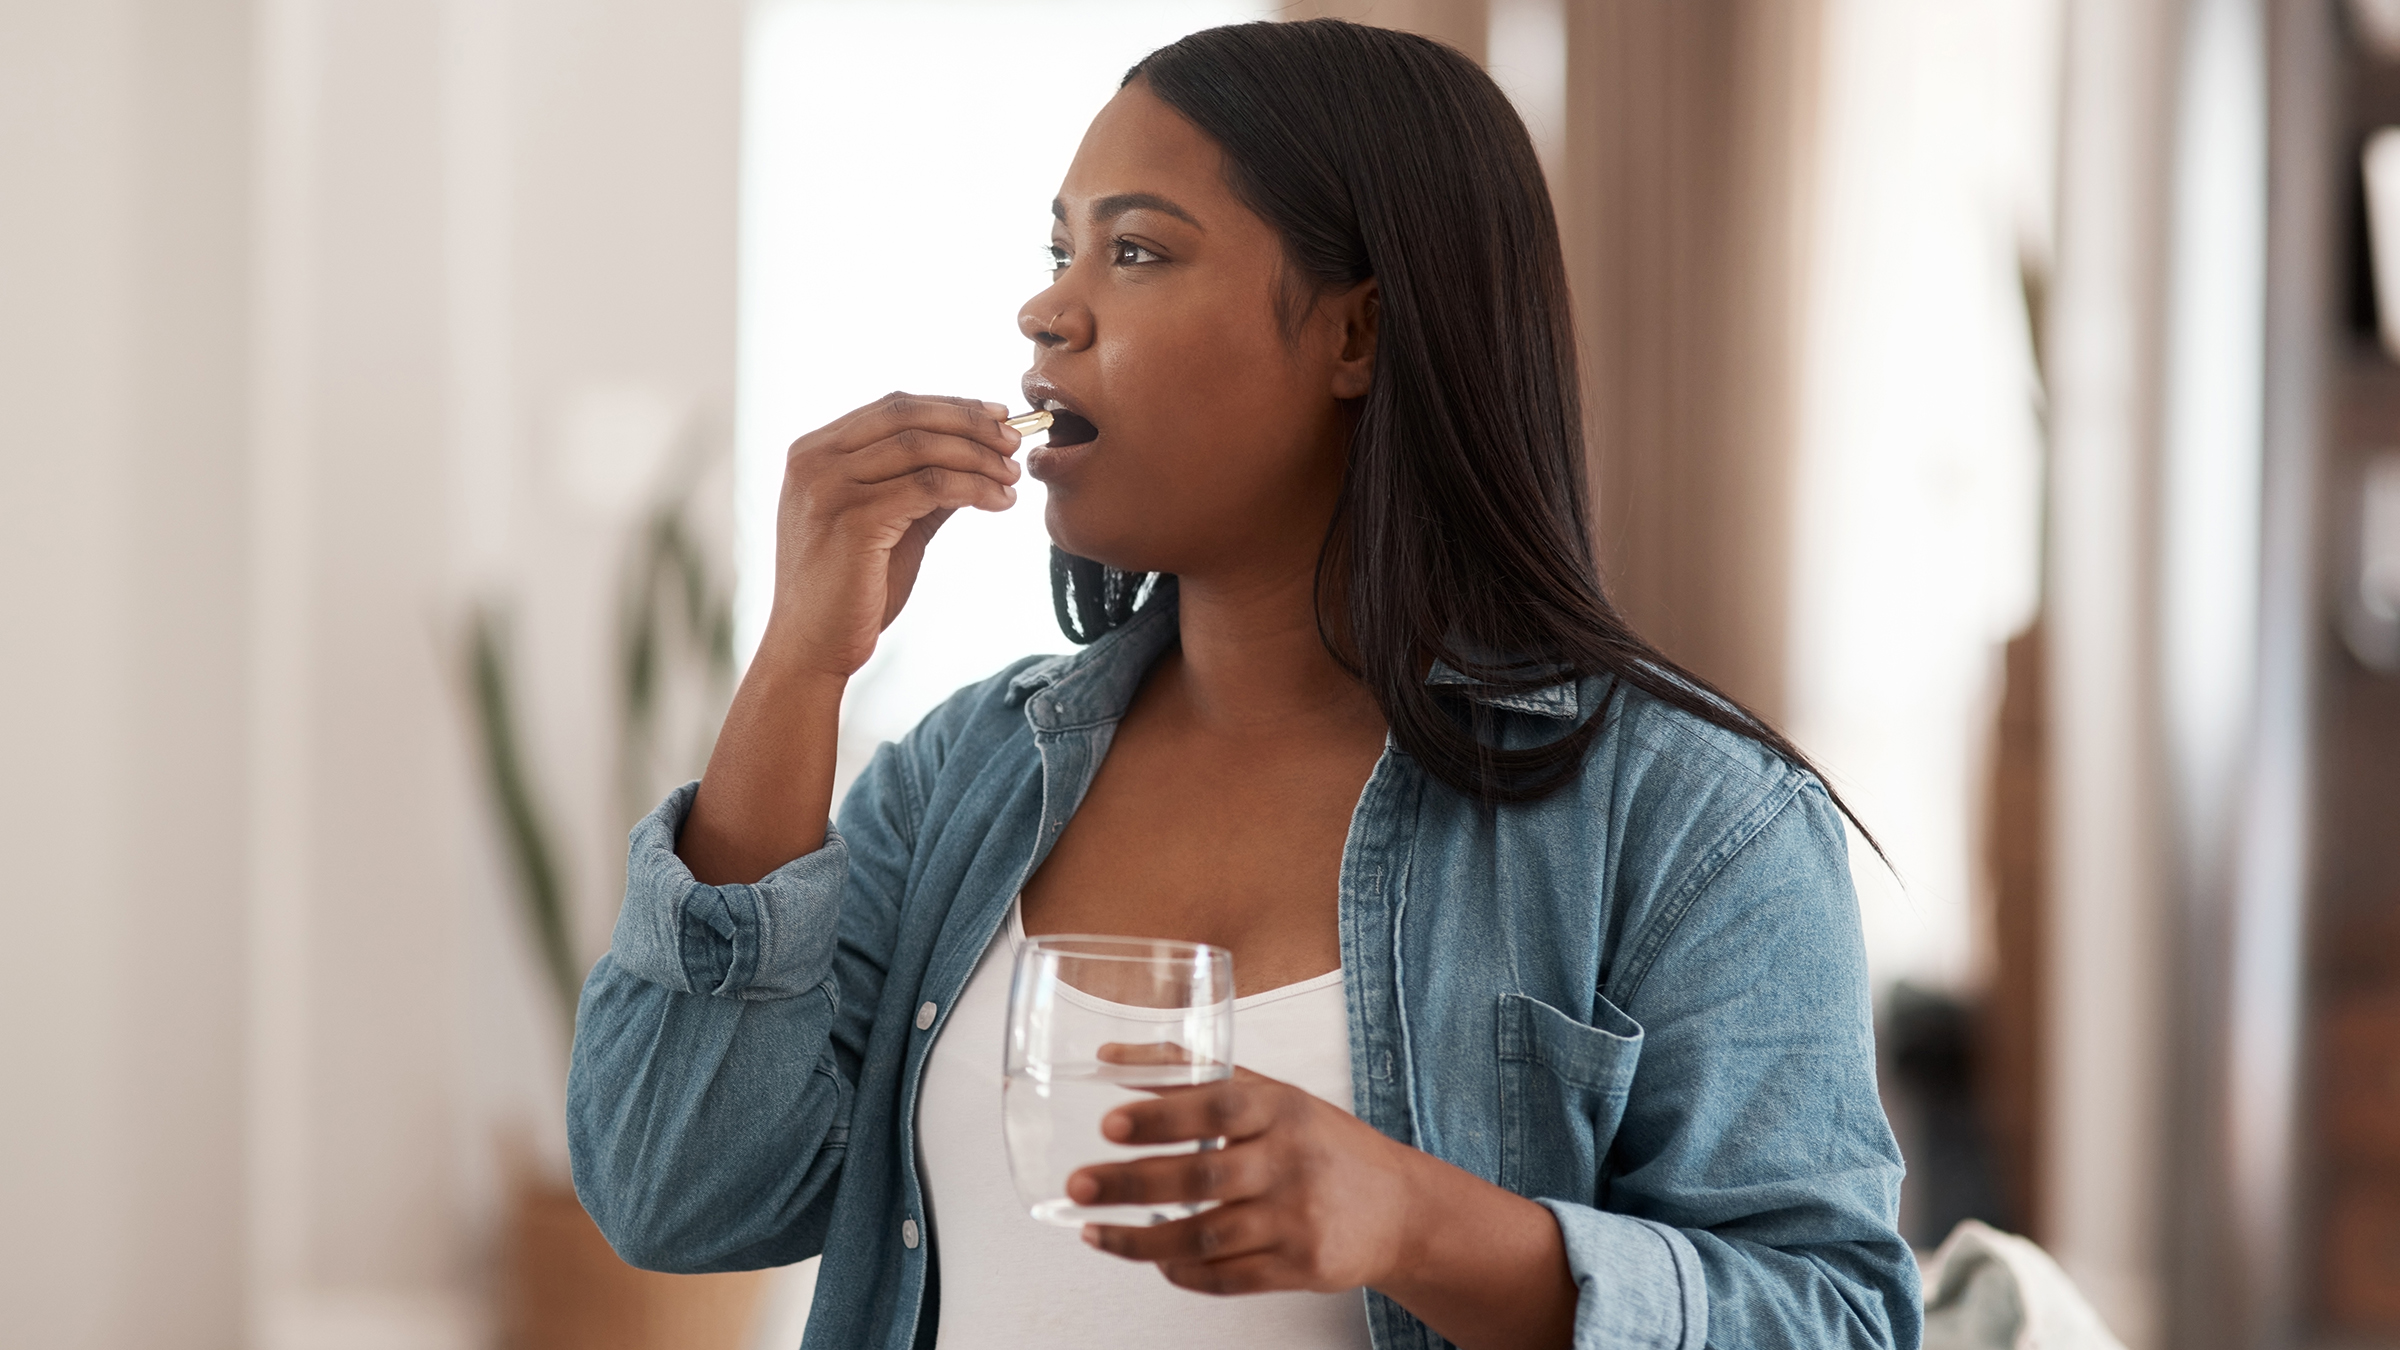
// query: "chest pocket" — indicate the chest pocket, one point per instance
point(1562, 1095)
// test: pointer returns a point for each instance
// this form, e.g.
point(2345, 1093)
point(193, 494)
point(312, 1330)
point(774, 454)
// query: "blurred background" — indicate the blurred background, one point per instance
point(1999, 394)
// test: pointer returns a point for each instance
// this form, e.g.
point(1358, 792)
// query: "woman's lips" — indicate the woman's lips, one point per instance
point(1070, 440)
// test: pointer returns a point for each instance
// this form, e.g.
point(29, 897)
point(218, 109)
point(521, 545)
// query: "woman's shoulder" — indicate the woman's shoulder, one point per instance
point(976, 728)
point(987, 712)
point(1648, 730)
point(1708, 830)
point(1664, 771)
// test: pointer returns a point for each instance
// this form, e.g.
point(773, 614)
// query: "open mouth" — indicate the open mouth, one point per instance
point(1070, 428)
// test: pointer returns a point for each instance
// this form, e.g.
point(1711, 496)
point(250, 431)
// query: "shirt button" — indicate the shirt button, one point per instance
point(908, 1227)
point(925, 1017)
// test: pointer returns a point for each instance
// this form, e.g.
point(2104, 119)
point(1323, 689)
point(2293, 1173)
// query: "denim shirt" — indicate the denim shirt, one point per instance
point(1641, 1001)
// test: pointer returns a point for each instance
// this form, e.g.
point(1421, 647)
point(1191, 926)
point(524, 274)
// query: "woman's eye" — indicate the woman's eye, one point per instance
point(1055, 259)
point(1126, 252)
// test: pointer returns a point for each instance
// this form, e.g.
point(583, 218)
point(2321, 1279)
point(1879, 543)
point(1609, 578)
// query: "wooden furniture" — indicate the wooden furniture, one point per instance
point(562, 1288)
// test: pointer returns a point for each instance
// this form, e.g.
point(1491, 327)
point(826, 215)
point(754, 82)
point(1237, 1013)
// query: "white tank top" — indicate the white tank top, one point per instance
point(1009, 1281)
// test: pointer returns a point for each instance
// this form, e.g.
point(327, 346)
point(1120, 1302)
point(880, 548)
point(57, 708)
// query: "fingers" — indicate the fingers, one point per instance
point(913, 448)
point(917, 454)
point(902, 396)
point(1142, 1052)
point(1225, 1233)
point(1179, 1178)
point(1237, 1109)
point(1254, 1274)
point(1157, 1053)
point(966, 418)
point(933, 488)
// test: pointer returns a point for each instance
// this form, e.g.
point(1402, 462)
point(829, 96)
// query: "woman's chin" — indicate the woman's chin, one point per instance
point(1073, 531)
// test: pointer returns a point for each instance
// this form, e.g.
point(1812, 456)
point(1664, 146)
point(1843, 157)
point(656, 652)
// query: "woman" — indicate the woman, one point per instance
point(1354, 707)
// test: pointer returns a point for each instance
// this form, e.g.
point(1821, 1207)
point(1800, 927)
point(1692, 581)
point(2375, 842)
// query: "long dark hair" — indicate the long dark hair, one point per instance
point(1462, 531)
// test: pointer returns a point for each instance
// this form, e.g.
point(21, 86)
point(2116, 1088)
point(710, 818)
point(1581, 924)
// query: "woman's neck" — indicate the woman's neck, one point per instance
point(1252, 662)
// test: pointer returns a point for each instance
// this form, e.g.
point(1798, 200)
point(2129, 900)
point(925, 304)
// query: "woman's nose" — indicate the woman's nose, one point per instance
point(1053, 320)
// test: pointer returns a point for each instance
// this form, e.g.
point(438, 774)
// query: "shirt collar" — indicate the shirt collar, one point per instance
point(1096, 684)
point(1562, 699)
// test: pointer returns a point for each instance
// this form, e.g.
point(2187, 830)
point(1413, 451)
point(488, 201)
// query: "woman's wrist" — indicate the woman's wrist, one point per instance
point(782, 672)
point(1479, 1264)
point(794, 656)
point(1423, 1210)
point(769, 784)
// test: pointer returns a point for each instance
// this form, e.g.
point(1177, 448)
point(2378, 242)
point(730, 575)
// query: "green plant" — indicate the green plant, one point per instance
point(673, 609)
point(539, 885)
point(673, 615)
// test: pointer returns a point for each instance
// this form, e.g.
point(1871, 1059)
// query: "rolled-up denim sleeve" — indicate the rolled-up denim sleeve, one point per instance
point(1637, 1283)
point(770, 939)
point(718, 1042)
point(1752, 1194)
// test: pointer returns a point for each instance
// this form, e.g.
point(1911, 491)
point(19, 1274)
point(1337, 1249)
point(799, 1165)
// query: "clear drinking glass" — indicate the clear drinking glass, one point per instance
point(1094, 1023)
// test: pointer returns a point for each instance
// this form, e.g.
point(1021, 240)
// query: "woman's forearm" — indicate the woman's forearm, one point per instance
point(862, 496)
point(1484, 1267)
point(768, 789)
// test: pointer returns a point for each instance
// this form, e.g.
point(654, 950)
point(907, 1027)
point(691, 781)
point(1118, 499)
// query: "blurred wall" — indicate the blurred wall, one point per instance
point(495, 281)
point(318, 322)
point(1464, 24)
point(124, 155)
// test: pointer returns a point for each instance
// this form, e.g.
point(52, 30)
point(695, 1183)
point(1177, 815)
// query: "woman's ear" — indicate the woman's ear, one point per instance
point(1356, 312)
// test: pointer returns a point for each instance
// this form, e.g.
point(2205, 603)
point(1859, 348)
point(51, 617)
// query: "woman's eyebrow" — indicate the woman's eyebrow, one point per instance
point(1110, 207)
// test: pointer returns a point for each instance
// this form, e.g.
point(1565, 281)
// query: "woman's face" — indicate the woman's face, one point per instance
point(1216, 438)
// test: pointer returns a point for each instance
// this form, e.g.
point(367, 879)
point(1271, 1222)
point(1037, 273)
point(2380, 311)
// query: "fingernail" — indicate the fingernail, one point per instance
point(1091, 1235)
point(1116, 1126)
point(1082, 1189)
point(998, 410)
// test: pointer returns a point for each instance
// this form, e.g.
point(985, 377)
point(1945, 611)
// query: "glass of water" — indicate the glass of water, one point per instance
point(1094, 1023)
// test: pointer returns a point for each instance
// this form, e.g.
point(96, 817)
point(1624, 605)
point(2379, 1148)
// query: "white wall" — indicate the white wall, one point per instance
point(122, 196)
point(489, 218)
point(297, 304)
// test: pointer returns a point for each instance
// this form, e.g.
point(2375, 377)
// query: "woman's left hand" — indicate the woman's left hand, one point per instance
point(1308, 1196)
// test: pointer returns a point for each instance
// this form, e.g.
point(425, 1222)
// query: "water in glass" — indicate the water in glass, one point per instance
point(1094, 1023)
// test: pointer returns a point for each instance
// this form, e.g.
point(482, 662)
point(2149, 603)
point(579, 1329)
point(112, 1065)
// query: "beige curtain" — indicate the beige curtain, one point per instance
point(1682, 204)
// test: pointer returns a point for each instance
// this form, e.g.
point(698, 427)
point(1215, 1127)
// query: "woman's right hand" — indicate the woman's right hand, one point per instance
point(862, 497)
